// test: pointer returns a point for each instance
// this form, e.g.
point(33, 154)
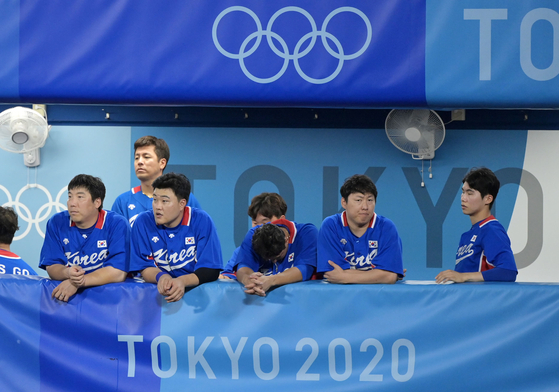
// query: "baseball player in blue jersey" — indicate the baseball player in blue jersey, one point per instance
point(264, 208)
point(359, 246)
point(275, 254)
point(10, 263)
point(174, 245)
point(484, 252)
point(86, 245)
point(151, 156)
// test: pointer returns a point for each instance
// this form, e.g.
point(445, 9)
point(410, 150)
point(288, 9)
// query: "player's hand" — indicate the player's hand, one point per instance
point(262, 283)
point(175, 291)
point(76, 275)
point(164, 284)
point(64, 291)
point(450, 276)
point(254, 286)
point(223, 277)
point(336, 275)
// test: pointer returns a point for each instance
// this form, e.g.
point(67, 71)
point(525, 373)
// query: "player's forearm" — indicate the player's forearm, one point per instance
point(290, 275)
point(149, 274)
point(103, 276)
point(58, 272)
point(370, 277)
point(472, 277)
point(243, 275)
point(189, 280)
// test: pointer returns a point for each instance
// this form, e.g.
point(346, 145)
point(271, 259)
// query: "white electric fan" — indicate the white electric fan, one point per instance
point(418, 132)
point(24, 131)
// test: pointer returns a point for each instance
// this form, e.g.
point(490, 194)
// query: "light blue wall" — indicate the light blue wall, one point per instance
point(314, 162)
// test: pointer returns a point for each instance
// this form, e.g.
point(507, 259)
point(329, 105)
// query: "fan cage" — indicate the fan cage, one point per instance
point(427, 122)
point(28, 121)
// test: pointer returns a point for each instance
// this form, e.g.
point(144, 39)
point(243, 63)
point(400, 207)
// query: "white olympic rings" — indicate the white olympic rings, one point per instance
point(297, 53)
point(24, 213)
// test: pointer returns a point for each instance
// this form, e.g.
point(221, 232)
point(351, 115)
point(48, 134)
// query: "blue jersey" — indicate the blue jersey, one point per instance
point(379, 247)
point(131, 203)
point(106, 244)
point(12, 264)
point(485, 246)
point(230, 269)
point(178, 250)
point(301, 251)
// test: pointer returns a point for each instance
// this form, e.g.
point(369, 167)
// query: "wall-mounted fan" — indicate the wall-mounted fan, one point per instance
point(24, 131)
point(417, 132)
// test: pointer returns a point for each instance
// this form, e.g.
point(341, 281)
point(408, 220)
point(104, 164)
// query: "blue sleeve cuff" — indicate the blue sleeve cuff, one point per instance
point(306, 271)
point(499, 275)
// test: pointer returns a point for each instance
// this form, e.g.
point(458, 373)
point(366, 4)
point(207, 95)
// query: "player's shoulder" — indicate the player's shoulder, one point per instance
point(384, 224)
point(198, 214)
point(115, 218)
point(490, 228)
point(383, 220)
point(124, 197)
point(62, 217)
point(333, 220)
point(145, 218)
point(306, 228)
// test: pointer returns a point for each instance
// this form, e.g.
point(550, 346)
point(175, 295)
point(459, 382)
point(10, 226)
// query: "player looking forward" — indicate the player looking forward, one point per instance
point(86, 245)
point(359, 246)
point(174, 246)
point(151, 156)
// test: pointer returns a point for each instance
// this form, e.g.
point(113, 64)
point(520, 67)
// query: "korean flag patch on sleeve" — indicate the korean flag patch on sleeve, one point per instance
point(102, 243)
point(373, 244)
point(189, 241)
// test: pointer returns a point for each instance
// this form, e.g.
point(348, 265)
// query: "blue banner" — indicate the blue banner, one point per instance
point(336, 53)
point(312, 336)
point(222, 52)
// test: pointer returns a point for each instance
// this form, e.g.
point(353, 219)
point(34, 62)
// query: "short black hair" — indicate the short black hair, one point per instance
point(177, 182)
point(160, 146)
point(358, 183)
point(8, 225)
point(94, 186)
point(268, 205)
point(268, 241)
point(484, 181)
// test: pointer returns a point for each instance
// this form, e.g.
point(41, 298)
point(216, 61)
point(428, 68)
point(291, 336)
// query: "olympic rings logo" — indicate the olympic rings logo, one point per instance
point(297, 54)
point(24, 213)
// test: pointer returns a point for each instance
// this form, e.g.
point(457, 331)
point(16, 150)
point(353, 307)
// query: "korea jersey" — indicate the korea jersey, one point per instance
point(484, 247)
point(12, 264)
point(178, 250)
point(131, 203)
point(230, 269)
point(301, 251)
point(379, 247)
point(106, 244)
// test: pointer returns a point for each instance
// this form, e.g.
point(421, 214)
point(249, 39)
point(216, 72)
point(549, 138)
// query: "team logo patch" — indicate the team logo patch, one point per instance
point(155, 239)
point(171, 235)
point(84, 236)
point(291, 257)
point(189, 241)
point(343, 241)
point(373, 244)
point(473, 238)
point(102, 243)
point(131, 206)
point(65, 240)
